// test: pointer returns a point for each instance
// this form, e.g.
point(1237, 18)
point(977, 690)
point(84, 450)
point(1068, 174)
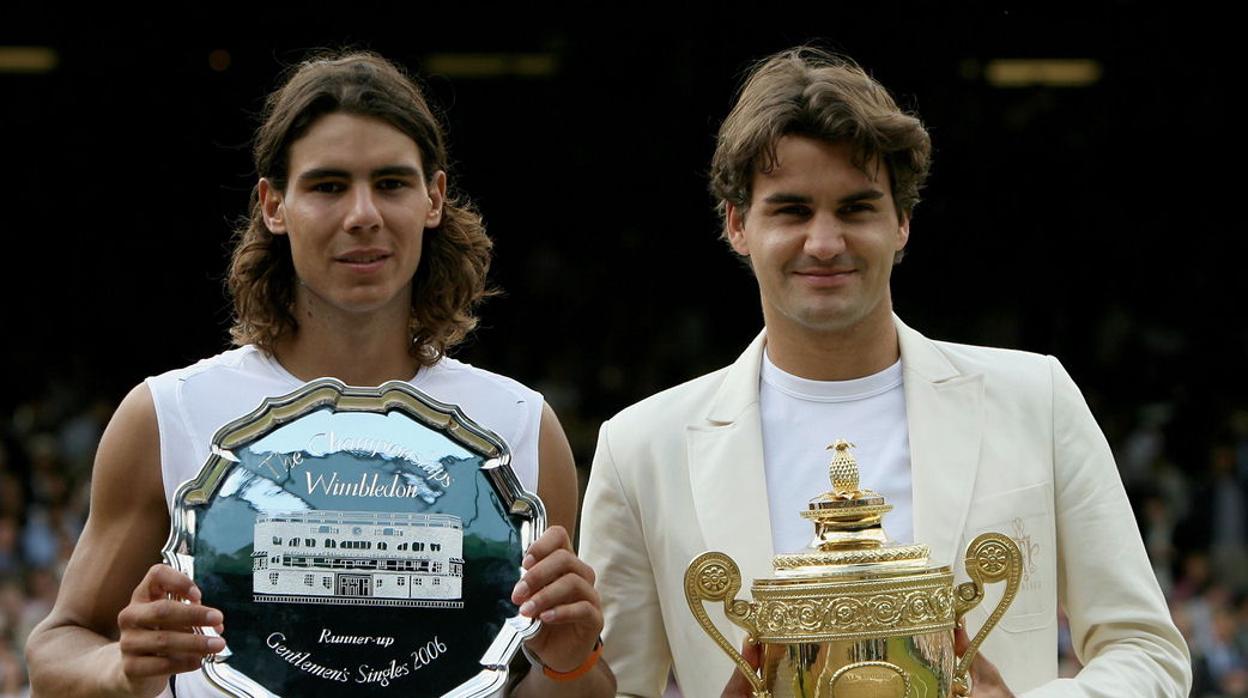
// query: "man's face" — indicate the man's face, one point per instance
point(355, 208)
point(821, 236)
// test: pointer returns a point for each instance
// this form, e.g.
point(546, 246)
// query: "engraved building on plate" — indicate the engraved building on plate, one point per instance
point(359, 558)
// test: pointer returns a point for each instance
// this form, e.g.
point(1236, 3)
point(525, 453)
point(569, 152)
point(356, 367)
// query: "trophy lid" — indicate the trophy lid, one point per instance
point(849, 531)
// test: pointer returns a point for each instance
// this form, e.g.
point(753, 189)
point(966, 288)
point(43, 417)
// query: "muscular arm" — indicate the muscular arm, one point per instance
point(562, 586)
point(77, 649)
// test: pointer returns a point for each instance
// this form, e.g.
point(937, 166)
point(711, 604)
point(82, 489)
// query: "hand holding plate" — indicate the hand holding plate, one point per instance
point(558, 588)
point(158, 636)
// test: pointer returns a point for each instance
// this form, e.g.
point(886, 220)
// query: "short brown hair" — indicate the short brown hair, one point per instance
point(455, 258)
point(809, 92)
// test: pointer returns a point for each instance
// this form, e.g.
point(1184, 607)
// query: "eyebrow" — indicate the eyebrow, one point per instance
point(780, 198)
point(334, 173)
point(864, 195)
point(784, 198)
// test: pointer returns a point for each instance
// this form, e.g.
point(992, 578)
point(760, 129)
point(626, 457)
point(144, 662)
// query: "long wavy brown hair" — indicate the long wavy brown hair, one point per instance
point(451, 280)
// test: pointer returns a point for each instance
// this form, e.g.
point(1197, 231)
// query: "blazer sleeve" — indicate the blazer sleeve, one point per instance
point(1120, 625)
point(613, 542)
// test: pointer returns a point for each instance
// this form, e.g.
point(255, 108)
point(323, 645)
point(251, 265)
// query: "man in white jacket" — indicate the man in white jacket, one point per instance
point(818, 172)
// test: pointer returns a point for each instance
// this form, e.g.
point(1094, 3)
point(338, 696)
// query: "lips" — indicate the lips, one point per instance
point(823, 272)
point(820, 278)
point(363, 256)
point(367, 261)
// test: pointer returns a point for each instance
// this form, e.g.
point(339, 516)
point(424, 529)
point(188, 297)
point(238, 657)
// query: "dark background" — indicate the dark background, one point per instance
point(1096, 223)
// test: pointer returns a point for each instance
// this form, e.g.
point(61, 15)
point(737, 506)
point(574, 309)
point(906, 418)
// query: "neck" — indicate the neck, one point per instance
point(363, 350)
point(863, 349)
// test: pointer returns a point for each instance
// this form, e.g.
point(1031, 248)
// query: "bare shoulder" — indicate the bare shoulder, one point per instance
point(127, 464)
point(127, 524)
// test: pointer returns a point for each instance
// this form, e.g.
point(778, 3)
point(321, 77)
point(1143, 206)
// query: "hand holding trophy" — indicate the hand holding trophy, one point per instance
point(854, 614)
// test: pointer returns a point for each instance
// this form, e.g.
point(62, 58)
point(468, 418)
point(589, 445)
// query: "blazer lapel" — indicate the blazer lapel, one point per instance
point(944, 412)
point(725, 455)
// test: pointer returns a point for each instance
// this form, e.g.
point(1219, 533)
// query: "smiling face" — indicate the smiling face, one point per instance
point(821, 235)
point(355, 209)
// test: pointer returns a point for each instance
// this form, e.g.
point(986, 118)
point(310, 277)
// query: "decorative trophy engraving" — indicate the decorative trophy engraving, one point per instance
point(358, 540)
point(854, 615)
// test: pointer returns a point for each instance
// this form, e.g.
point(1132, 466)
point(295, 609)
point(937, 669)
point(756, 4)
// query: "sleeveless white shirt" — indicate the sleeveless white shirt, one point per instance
point(192, 403)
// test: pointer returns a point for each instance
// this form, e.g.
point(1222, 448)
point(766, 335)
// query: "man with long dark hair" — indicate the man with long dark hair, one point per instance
point(359, 261)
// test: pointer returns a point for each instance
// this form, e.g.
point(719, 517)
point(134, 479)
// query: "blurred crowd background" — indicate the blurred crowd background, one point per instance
point(1080, 205)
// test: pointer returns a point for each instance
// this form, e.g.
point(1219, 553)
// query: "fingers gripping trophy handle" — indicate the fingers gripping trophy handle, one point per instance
point(715, 577)
point(990, 558)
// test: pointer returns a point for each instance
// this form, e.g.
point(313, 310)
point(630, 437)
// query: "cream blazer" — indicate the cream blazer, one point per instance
point(999, 441)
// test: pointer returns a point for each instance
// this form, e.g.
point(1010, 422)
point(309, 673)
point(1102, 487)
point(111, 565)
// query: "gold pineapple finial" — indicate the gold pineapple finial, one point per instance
point(843, 470)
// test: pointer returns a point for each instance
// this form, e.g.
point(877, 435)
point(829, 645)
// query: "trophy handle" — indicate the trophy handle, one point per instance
point(715, 577)
point(990, 558)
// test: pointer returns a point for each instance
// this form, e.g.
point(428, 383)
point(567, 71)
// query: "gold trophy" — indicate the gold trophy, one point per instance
point(855, 615)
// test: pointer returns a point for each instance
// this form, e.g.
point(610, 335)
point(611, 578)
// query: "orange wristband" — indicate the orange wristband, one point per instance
point(577, 672)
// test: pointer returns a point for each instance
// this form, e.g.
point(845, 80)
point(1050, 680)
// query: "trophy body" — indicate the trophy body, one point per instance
point(853, 615)
point(901, 666)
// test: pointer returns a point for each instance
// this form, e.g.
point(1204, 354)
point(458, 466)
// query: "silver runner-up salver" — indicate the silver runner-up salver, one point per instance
point(360, 541)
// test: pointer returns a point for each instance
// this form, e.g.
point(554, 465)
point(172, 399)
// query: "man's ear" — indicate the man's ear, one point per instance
point(271, 207)
point(437, 199)
point(903, 233)
point(734, 228)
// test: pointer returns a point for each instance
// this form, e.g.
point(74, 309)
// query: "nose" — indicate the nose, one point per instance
point(363, 214)
point(825, 238)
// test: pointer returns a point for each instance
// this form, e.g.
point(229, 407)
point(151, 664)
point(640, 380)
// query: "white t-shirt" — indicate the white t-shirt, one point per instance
point(802, 417)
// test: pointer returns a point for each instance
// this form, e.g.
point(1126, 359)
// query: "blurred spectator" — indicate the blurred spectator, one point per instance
point(1228, 666)
point(10, 558)
point(79, 437)
point(12, 496)
point(12, 673)
point(1144, 446)
point(51, 527)
point(12, 668)
point(1218, 520)
point(45, 453)
point(1229, 515)
point(45, 464)
point(1157, 528)
point(41, 587)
